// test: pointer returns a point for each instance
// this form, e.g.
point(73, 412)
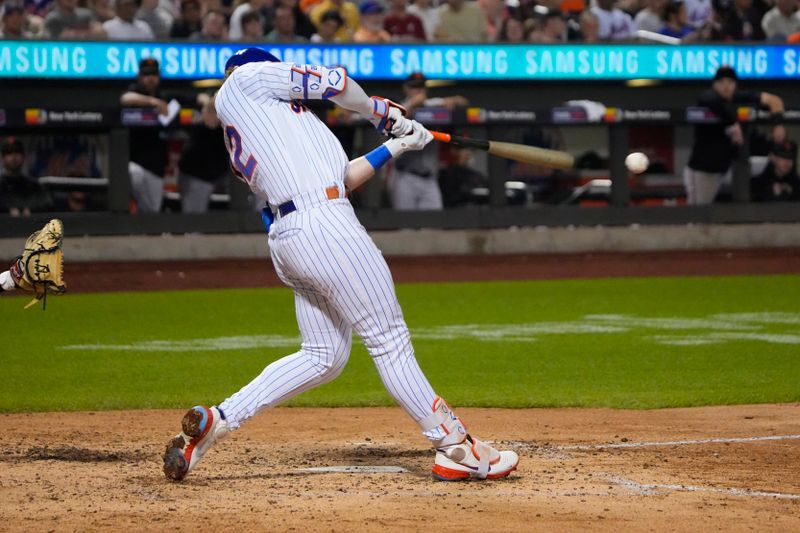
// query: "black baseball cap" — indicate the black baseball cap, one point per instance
point(726, 71)
point(786, 149)
point(12, 145)
point(416, 80)
point(149, 66)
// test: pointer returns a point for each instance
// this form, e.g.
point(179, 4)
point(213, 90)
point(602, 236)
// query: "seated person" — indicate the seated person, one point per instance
point(676, 22)
point(371, 29)
point(329, 25)
point(20, 195)
point(779, 181)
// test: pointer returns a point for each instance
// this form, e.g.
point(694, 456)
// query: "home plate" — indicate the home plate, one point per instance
point(355, 469)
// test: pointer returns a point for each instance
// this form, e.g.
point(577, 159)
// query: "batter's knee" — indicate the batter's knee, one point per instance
point(328, 360)
point(393, 344)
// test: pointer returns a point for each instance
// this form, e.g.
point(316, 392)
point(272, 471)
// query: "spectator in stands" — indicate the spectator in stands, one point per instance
point(302, 24)
point(716, 145)
point(462, 21)
point(214, 28)
point(553, 29)
point(781, 21)
point(308, 5)
point(252, 27)
point(699, 12)
point(739, 20)
point(223, 6)
point(589, 27)
point(158, 18)
point(495, 12)
point(102, 9)
point(512, 31)
point(125, 27)
point(615, 24)
point(20, 195)
point(459, 179)
point(370, 29)
point(402, 25)
point(148, 151)
point(676, 24)
point(284, 24)
point(236, 29)
point(34, 8)
point(204, 162)
point(428, 14)
point(414, 183)
point(328, 28)
point(779, 180)
point(68, 21)
point(348, 13)
point(651, 18)
point(14, 23)
point(189, 21)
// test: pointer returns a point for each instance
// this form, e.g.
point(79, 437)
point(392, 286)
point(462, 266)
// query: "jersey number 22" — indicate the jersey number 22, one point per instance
point(243, 170)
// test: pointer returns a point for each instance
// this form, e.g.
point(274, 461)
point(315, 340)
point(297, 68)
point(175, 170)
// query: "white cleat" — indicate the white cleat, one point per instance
point(473, 459)
point(202, 427)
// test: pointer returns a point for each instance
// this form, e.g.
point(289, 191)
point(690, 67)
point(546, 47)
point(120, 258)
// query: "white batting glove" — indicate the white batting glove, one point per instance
point(401, 126)
point(416, 140)
point(389, 117)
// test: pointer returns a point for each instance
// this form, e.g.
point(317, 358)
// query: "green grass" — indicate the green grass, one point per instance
point(630, 368)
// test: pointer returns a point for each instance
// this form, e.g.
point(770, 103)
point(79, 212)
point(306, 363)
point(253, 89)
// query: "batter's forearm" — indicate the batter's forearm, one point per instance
point(359, 172)
point(354, 98)
point(364, 167)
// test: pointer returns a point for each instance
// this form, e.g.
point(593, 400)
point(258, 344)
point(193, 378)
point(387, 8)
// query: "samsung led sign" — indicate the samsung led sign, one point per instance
point(61, 59)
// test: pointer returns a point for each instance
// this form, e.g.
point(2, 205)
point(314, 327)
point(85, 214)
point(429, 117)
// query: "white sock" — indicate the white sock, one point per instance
point(6, 281)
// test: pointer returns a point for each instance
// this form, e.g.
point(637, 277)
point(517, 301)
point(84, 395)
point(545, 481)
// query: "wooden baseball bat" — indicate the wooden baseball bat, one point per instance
point(517, 152)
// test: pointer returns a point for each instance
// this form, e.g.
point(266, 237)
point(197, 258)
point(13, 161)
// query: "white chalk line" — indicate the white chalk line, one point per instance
point(582, 447)
point(651, 488)
point(677, 442)
point(355, 469)
point(678, 331)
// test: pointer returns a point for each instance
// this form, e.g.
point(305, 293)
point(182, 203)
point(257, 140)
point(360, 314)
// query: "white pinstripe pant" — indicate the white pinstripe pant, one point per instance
point(341, 283)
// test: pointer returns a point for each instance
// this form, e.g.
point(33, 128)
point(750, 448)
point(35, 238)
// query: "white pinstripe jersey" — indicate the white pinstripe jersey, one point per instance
point(276, 145)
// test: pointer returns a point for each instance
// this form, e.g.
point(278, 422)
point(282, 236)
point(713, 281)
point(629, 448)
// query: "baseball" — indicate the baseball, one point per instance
point(637, 162)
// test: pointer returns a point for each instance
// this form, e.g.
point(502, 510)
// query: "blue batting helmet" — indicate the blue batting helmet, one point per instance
point(248, 55)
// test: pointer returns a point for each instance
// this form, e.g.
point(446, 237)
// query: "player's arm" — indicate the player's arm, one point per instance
point(364, 167)
point(134, 99)
point(775, 105)
point(341, 89)
point(311, 82)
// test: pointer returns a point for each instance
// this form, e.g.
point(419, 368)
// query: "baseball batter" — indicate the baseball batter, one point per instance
point(340, 280)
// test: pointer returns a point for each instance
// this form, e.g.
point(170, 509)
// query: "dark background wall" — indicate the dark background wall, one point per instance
point(515, 95)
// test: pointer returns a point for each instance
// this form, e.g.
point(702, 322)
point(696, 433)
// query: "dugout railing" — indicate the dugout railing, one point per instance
point(114, 124)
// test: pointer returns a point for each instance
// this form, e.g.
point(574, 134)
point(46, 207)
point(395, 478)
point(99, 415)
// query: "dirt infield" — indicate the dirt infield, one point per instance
point(102, 471)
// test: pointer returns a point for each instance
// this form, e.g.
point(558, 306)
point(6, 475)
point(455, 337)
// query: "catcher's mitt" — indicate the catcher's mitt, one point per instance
point(40, 267)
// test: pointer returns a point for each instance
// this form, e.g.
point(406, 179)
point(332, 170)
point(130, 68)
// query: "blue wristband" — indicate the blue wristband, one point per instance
point(379, 156)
